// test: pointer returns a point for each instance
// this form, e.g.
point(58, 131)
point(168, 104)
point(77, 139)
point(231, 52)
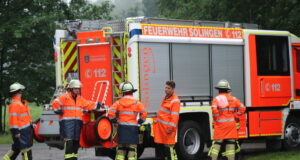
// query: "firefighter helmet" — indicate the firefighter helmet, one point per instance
point(74, 83)
point(16, 87)
point(127, 87)
point(223, 84)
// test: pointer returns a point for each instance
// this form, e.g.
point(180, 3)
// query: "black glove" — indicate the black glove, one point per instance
point(140, 121)
point(99, 105)
point(60, 112)
point(114, 120)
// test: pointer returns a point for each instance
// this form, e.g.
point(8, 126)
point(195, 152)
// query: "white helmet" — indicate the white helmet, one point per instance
point(223, 84)
point(127, 87)
point(74, 83)
point(15, 87)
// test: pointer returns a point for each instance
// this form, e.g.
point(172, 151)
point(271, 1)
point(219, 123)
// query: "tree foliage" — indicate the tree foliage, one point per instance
point(80, 9)
point(268, 14)
point(26, 49)
point(150, 8)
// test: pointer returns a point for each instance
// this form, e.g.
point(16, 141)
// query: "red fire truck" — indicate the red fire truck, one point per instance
point(262, 66)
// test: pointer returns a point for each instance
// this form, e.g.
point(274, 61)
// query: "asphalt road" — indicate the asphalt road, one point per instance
point(43, 152)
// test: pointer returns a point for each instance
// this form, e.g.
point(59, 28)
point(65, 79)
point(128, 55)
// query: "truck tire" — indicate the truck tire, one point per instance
point(190, 140)
point(291, 139)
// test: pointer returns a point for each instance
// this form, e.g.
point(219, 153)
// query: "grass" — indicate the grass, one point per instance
point(287, 155)
point(35, 112)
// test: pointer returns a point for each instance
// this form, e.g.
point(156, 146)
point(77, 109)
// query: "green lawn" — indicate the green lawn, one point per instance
point(35, 112)
point(287, 155)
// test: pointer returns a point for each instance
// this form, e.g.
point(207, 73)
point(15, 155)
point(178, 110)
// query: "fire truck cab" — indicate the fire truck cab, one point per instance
point(262, 66)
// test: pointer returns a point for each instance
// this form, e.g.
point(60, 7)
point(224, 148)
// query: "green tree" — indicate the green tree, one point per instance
point(26, 48)
point(150, 8)
point(81, 9)
point(268, 14)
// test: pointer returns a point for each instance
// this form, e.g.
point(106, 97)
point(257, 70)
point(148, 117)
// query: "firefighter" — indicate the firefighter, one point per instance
point(70, 106)
point(126, 112)
point(225, 109)
point(20, 124)
point(165, 126)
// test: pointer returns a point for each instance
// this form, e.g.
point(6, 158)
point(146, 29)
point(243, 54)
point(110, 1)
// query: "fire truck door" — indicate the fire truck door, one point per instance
point(95, 71)
point(269, 70)
point(296, 65)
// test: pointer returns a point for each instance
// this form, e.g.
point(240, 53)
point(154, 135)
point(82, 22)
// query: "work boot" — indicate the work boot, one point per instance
point(215, 149)
point(11, 155)
point(26, 154)
point(121, 152)
point(132, 154)
point(69, 149)
point(75, 150)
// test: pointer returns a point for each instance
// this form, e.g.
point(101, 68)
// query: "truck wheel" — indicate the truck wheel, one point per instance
point(190, 140)
point(292, 134)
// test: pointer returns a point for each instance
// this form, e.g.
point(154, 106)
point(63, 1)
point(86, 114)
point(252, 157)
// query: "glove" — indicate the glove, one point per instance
point(114, 120)
point(99, 105)
point(142, 128)
point(140, 121)
point(60, 112)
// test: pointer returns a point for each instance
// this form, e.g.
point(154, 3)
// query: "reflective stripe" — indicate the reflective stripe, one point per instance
point(225, 120)
point(128, 124)
point(18, 102)
point(75, 155)
point(70, 108)
point(25, 126)
point(216, 115)
point(6, 157)
point(67, 156)
point(228, 153)
point(226, 109)
point(12, 127)
point(120, 157)
point(111, 109)
point(241, 106)
point(215, 151)
point(57, 100)
point(127, 112)
point(169, 112)
point(175, 100)
point(238, 113)
point(70, 118)
point(18, 115)
point(167, 123)
point(17, 127)
point(213, 106)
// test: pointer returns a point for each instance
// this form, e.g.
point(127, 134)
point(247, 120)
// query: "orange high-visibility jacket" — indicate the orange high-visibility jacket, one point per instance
point(128, 109)
point(19, 115)
point(225, 109)
point(167, 119)
point(72, 109)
